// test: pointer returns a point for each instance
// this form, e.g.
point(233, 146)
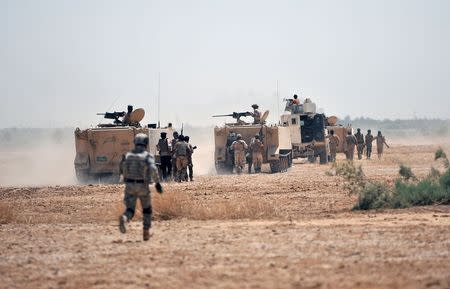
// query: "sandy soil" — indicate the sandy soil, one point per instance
point(67, 236)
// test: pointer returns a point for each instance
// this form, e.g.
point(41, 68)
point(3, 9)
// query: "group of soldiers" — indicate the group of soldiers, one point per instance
point(251, 154)
point(360, 142)
point(176, 157)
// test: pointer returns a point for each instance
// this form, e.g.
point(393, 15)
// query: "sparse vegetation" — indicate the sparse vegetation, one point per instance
point(408, 191)
point(7, 214)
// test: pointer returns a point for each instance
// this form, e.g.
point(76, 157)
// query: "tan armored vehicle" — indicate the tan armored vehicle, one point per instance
point(340, 131)
point(99, 150)
point(276, 139)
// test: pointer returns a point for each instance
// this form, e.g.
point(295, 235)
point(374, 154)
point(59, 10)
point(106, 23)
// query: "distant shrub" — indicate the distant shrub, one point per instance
point(373, 196)
point(440, 154)
point(406, 173)
point(353, 175)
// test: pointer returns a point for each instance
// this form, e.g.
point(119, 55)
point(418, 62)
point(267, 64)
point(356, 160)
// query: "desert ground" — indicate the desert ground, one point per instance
point(286, 230)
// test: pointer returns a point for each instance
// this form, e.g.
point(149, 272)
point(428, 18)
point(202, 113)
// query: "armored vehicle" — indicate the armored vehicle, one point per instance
point(99, 150)
point(276, 139)
point(340, 131)
point(312, 141)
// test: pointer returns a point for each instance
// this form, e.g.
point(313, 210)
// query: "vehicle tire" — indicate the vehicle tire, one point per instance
point(323, 157)
point(311, 159)
point(275, 166)
point(223, 169)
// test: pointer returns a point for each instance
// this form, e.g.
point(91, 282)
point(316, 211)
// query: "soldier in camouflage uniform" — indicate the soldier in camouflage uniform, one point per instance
point(359, 143)
point(257, 148)
point(334, 143)
point(351, 143)
point(190, 164)
point(182, 150)
point(381, 141)
point(139, 170)
point(165, 155)
point(256, 114)
point(239, 147)
point(368, 142)
point(174, 158)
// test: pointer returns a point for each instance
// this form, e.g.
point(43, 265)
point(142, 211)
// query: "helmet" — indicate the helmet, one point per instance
point(141, 139)
point(163, 134)
point(238, 136)
point(358, 130)
point(175, 134)
point(255, 106)
point(181, 137)
point(295, 96)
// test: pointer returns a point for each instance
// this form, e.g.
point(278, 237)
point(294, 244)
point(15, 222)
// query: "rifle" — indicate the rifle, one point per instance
point(235, 115)
point(182, 128)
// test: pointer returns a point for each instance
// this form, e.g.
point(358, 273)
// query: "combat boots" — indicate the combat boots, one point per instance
point(146, 234)
point(122, 221)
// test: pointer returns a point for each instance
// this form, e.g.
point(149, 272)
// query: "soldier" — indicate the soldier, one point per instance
point(139, 170)
point(239, 147)
point(257, 148)
point(334, 143)
point(190, 165)
point(256, 114)
point(165, 154)
point(351, 143)
point(182, 150)
point(368, 141)
point(174, 158)
point(296, 101)
point(381, 141)
point(359, 143)
point(126, 119)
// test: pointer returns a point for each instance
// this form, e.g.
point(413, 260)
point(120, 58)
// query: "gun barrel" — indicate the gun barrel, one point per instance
point(222, 115)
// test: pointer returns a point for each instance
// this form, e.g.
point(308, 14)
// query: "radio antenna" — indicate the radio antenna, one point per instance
point(159, 98)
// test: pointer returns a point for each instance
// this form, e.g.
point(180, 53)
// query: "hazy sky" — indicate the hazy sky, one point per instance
point(63, 61)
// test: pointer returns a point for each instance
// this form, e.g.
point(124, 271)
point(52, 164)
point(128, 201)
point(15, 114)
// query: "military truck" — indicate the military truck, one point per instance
point(99, 150)
point(339, 130)
point(312, 141)
point(276, 139)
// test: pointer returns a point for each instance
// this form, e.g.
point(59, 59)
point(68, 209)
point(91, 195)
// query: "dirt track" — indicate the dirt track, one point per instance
point(306, 237)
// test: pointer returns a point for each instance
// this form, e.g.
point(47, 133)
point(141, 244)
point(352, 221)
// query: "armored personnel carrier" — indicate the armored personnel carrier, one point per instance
point(313, 141)
point(276, 139)
point(99, 150)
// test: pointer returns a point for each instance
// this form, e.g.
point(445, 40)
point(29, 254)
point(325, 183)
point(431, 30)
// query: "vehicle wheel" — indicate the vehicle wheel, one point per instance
point(223, 169)
point(311, 159)
point(323, 157)
point(275, 166)
point(82, 176)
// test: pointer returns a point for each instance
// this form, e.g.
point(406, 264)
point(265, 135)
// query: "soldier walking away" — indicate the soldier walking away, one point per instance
point(350, 140)
point(182, 150)
point(381, 141)
point(139, 170)
point(166, 156)
point(359, 143)
point(126, 119)
point(190, 164)
point(257, 148)
point(256, 114)
point(334, 143)
point(368, 142)
point(239, 147)
point(174, 158)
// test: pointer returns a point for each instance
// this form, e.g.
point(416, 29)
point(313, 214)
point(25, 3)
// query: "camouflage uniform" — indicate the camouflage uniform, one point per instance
point(256, 116)
point(368, 141)
point(190, 164)
point(359, 144)
point(182, 150)
point(239, 146)
point(381, 141)
point(257, 148)
point(139, 170)
point(334, 143)
point(166, 157)
point(351, 143)
point(174, 158)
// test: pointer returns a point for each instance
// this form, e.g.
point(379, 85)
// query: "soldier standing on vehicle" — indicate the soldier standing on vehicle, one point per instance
point(174, 158)
point(165, 155)
point(189, 156)
point(257, 148)
point(139, 170)
point(256, 114)
point(126, 119)
point(239, 147)
point(351, 143)
point(334, 143)
point(368, 141)
point(296, 101)
point(359, 143)
point(381, 141)
point(182, 150)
